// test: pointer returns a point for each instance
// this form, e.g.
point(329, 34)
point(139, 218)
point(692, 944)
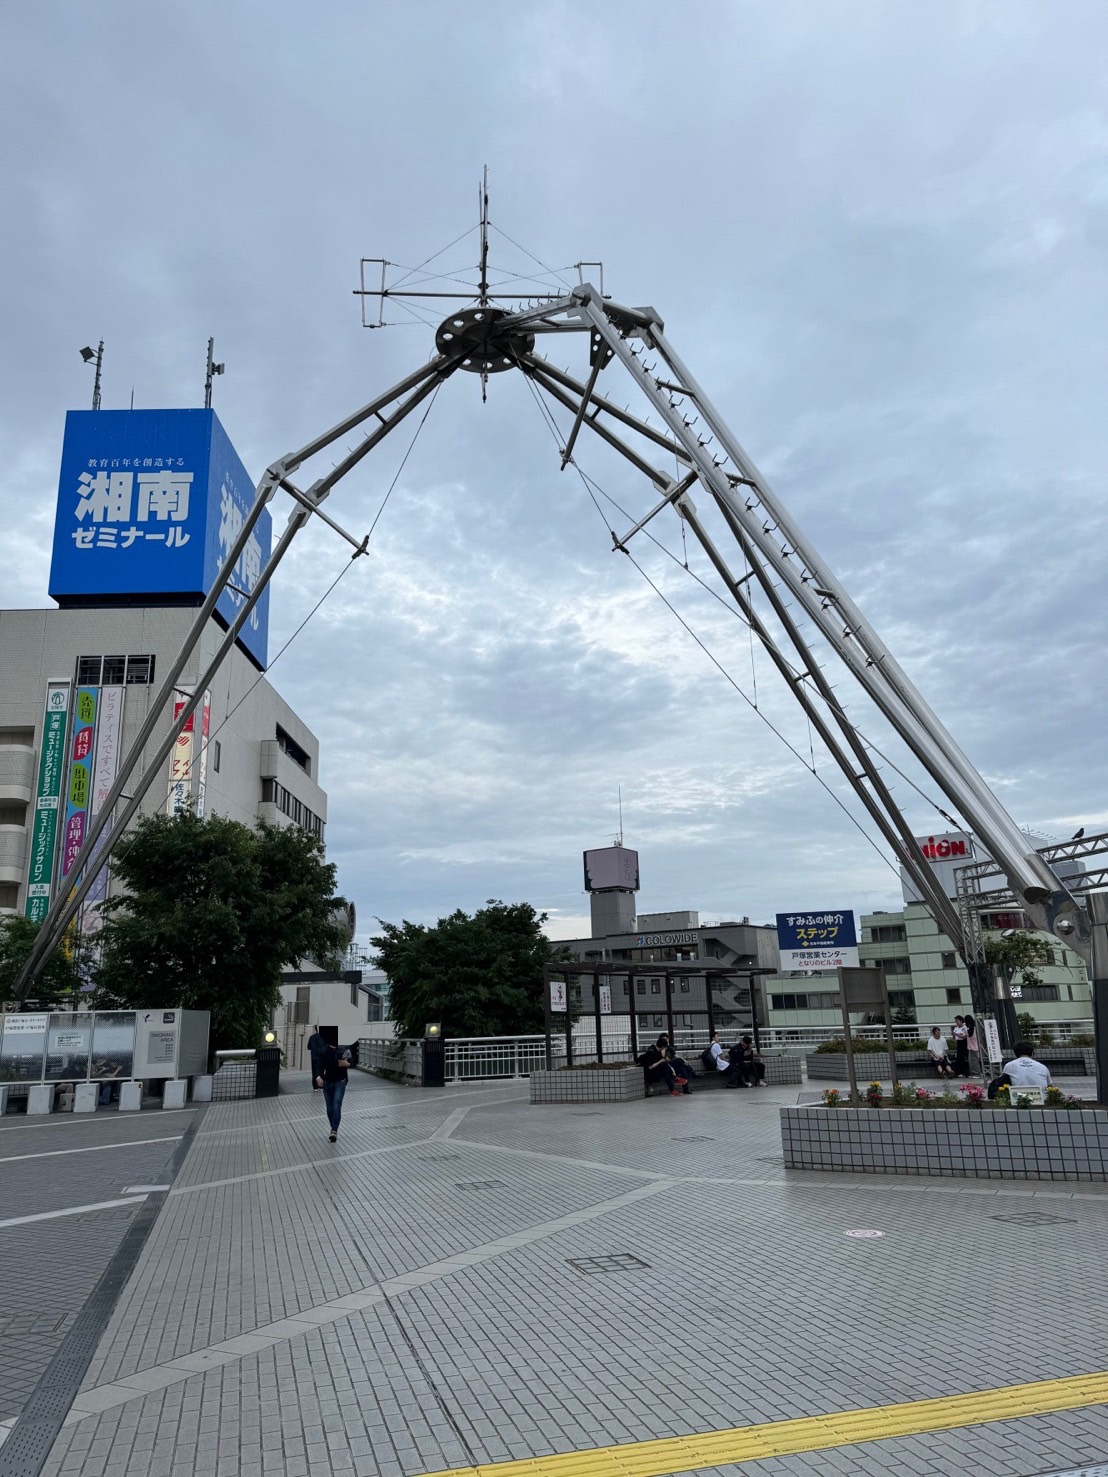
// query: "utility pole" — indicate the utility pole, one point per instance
point(87, 355)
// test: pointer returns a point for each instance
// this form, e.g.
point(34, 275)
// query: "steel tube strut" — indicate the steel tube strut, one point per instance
point(819, 593)
point(62, 911)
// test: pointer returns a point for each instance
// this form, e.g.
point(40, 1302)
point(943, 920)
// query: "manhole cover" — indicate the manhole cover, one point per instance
point(864, 1235)
point(695, 1138)
point(1035, 1218)
point(596, 1266)
point(479, 1184)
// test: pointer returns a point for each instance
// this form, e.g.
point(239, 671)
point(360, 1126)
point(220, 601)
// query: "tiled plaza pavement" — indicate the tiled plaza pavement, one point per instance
point(436, 1292)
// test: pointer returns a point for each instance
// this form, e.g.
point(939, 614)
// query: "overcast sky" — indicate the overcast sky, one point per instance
point(876, 233)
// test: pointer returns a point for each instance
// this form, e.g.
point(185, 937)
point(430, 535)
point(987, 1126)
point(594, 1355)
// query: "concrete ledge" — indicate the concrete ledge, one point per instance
point(588, 1085)
point(40, 1098)
point(86, 1097)
point(130, 1097)
point(982, 1143)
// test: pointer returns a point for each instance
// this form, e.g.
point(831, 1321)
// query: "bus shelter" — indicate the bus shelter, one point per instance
point(612, 1010)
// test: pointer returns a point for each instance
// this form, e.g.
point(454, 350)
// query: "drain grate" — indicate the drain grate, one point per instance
point(440, 1158)
point(590, 1114)
point(480, 1184)
point(24, 1323)
point(1080, 1472)
point(1035, 1218)
point(596, 1266)
point(694, 1138)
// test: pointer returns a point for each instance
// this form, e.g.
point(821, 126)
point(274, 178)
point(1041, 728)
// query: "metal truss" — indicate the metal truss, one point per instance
point(490, 336)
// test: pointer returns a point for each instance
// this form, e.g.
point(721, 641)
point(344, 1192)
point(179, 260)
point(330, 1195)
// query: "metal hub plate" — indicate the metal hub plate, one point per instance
point(487, 348)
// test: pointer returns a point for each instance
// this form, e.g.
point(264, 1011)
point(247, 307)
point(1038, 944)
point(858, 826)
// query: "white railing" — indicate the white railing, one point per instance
point(394, 1058)
point(477, 1058)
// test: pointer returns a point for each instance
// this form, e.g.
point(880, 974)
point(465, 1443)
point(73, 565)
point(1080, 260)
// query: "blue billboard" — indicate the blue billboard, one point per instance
point(822, 940)
point(149, 504)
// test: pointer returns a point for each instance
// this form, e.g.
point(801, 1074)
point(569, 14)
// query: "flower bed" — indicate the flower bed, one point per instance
point(1040, 1144)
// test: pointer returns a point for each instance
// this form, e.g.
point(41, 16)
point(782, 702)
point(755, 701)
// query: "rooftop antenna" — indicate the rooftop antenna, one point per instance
point(619, 792)
point(483, 265)
point(213, 370)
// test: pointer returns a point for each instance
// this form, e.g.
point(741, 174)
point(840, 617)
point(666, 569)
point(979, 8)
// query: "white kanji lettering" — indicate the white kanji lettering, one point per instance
point(230, 524)
point(104, 498)
point(164, 496)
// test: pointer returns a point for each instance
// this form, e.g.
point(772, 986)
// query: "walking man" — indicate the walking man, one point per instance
point(331, 1068)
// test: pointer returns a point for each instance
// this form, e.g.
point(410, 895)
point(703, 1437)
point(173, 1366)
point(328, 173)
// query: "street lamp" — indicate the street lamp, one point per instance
point(88, 356)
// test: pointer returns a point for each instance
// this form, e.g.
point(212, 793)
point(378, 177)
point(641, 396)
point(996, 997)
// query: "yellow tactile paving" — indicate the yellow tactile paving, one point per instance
point(806, 1433)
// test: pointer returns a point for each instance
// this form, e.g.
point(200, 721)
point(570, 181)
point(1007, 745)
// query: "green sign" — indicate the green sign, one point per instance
point(51, 773)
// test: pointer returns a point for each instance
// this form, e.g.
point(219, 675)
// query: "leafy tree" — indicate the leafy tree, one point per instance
point(1022, 950)
point(904, 1015)
point(57, 980)
point(479, 975)
point(213, 911)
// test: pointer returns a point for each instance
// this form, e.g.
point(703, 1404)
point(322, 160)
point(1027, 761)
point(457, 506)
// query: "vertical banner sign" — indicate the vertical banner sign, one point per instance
point(557, 995)
point(180, 761)
point(108, 738)
point(51, 773)
point(202, 765)
point(605, 996)
point(79, 789)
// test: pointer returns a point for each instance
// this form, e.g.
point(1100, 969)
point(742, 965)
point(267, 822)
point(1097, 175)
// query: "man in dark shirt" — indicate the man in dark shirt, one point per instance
point(330, 1067)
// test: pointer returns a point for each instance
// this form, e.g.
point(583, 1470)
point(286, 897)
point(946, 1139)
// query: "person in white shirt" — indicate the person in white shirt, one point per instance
point(937, 1050)
point(1024, 1071)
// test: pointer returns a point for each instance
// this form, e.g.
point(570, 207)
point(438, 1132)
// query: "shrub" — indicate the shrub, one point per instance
point(1084, 1039)
point(867, 1047)
point(904, 1094)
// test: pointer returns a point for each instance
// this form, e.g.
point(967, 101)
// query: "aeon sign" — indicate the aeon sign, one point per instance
point(946, 848)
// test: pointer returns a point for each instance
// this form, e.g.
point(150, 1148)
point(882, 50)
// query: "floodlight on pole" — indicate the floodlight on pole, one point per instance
point(213, 369)
point(88, 356)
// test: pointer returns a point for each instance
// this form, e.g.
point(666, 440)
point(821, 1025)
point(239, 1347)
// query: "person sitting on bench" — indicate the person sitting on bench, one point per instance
point(716, 1058)
point(657, 1069)
point(751, 1066)
point(679, 1065)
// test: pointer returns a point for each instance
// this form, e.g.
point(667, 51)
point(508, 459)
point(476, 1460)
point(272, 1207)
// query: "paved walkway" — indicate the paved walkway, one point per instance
point(465, 1281)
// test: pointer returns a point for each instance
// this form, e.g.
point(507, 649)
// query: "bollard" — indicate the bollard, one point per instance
point(3, 1099)
point(40, 1098)
point(86, 1097)
point(202, 1089)
point(130, 1097)
point(176, 1093)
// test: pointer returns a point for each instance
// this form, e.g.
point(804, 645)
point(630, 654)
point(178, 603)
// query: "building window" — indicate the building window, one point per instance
point(640, 987)
point(684, 987)
point(217, 755)
point(288, 745)
point(655, 987)
point(297, 812)
point(1005, 920)
point(115, 671)
point(950, 961)
point(657, 1020)
point(898, 966)
point(888, 933)
point(644, 1022)
point(353, 994)
point(954, 997)
point(9, 891)
point(300, 1006)
point(821, 1001)
point(1037, 992)
point(902, 1000)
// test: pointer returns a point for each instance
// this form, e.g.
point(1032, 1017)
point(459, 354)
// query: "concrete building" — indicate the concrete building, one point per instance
point(260, 760)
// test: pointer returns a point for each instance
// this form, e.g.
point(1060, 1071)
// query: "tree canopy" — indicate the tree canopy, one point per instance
point(58, 978)
point(1022, 950)
point(212, 913)
point(479, 975)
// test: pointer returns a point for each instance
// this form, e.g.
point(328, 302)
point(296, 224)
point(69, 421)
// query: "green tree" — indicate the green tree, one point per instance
point(57, 981)
point(1021, 951)
point(213, 911)
point(478, 976)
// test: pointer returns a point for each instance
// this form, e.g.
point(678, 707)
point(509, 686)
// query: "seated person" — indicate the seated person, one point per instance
point(1024, 1071)
point(938, 1052)
point(716, 1057)
point(679, 1065)
point(653, 1061)
point(751, 1065)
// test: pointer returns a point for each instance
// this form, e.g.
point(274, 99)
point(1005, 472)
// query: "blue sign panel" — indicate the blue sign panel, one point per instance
point(817, 940)
point(149, 504)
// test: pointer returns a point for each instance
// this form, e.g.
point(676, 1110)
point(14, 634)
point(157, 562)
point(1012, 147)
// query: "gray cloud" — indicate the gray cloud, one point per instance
point(876, 235)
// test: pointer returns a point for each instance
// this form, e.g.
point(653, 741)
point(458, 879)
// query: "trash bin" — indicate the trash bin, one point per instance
point(268, 1072)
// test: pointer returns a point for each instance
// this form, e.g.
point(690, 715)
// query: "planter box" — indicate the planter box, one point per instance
point(984, 1143)
point(830, 1066)
point(588, 1085)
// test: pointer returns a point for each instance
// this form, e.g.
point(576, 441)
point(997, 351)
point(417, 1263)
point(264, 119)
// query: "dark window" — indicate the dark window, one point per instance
point(114, 672)
point(684, 987)
point(1004, 920)
point(644, 1021)
point(300, 1009)
point(655, 987)
point(353, 994)
point(902, 1000)
point(888, 933)
point(898, 966)
point(217, 755)
point(1040, 992)
point(140, 671)
point(289, 746)
point(657, 1020)
point(88, 671)
point(950, 961)
point(954, 997)
point(640, 987)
